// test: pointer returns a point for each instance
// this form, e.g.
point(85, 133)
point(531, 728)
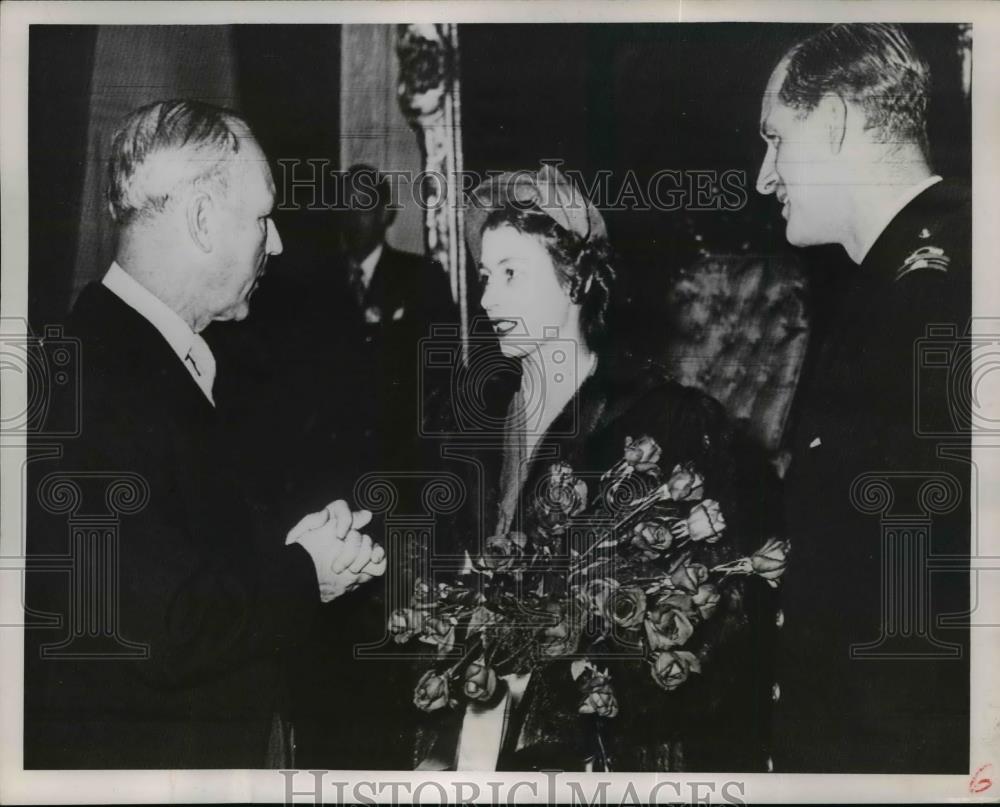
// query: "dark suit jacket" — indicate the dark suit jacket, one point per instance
point(408, 289)
point(855, 417)
point(203, 582)
point(406, 297)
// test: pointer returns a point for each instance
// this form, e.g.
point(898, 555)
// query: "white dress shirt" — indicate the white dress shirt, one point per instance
point(193, 351)
point(368, 265)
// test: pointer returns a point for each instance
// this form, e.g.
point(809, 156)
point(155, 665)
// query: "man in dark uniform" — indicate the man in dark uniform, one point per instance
point(870, 680)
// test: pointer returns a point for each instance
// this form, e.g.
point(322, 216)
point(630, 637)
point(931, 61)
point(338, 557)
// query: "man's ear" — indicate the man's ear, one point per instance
point(834, 112)
point(200, 209)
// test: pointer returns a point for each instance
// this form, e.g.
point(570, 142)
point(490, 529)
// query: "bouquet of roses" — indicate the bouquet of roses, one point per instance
point(631, 568)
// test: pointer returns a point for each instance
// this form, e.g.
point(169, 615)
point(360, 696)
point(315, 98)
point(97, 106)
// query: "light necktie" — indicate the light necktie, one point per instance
point(201, 364)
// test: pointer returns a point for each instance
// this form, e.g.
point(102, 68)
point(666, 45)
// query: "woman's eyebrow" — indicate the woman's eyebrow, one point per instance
point(499, 263)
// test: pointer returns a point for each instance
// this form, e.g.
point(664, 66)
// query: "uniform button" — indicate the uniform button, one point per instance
point(775, 692)
point(770, 765)
point(779, 618)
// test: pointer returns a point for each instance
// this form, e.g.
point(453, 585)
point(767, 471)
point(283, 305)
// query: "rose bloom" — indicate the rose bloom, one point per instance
point(689, 576)
point(667, 628)
point(671, 668)
point(642, 452)
point(678, 601)
point(561, 496)
point(626, 606)
point(705, 522)
point(404, 624)
point(439, 630)
point(431, 692)
point(685, 485)
point(502, 551)
point(561, 638)
point(596, 593)
point(480, 681)
point(423, 593)
point(599, 697)
point(706, 600)
point(769, 561)
point(652, 538)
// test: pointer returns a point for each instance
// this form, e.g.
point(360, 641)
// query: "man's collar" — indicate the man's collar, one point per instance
point(885, 216)
point(370, 262)
point(168, 322)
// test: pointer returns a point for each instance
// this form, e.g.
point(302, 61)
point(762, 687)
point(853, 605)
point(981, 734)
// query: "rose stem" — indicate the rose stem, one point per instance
point(467, 656)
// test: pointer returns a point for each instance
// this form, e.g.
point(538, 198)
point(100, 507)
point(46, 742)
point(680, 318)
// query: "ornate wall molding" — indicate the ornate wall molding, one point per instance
point(429, 95)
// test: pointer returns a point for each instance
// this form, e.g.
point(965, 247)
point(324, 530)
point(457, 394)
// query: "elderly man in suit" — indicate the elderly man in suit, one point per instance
point(871, 680)
point(211, 591)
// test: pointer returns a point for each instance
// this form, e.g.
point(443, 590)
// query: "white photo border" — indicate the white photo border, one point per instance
point(18, 786)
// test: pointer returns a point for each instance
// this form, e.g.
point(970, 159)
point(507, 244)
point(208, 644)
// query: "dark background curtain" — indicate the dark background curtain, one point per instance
point(61, 63)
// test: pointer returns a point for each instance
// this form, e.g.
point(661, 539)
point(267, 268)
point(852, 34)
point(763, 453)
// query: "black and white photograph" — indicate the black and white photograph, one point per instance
point(415, 402)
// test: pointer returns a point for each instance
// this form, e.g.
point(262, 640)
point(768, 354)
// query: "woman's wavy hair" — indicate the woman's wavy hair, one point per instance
point(583, 267)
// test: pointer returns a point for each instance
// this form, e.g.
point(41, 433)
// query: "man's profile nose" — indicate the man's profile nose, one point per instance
point(767, 179)
point(274, 245)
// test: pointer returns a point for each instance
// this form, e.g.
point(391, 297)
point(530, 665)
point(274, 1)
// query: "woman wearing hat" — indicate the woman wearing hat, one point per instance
point(562, 392)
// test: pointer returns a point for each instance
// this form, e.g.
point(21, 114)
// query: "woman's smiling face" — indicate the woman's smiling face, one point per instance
point(521, 292)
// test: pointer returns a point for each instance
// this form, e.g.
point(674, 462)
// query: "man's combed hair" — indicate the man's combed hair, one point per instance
point(873, 65)
point(164, 146)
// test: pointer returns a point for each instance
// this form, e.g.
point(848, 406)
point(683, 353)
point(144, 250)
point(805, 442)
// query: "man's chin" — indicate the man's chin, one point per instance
point(805, 236)
point(796, 237)
point(236, 314)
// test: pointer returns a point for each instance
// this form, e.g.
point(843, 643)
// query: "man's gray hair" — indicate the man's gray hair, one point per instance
point(164, 147)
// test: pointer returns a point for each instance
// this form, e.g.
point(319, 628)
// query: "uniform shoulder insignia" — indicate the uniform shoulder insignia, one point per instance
point(924, 258)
